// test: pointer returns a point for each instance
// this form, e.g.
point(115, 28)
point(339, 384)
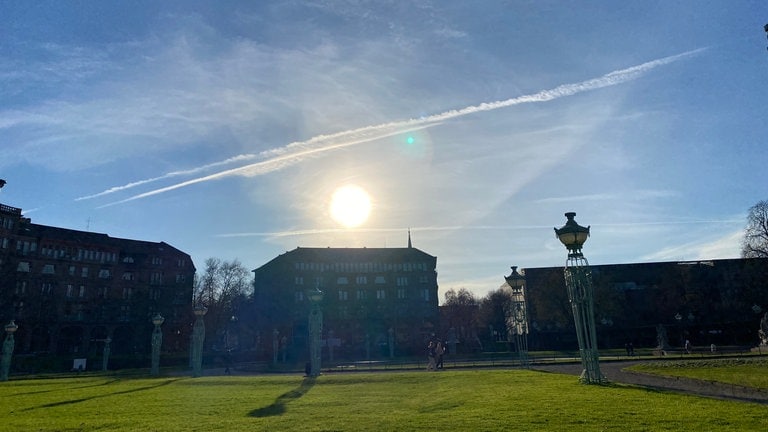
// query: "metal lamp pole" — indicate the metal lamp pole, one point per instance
point(157, 341)
point(315, 330)
point(105, 354)
point(578, 280)
point(8, 344)
point(198, 336)
point(517, 319)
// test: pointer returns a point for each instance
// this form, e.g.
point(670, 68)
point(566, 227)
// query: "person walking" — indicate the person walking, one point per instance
point(431, 356)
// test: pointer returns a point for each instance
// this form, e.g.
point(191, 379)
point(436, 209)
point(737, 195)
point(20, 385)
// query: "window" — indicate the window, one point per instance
point(21, 287)
point(70, 291)
point(128, 276)
point(299, 296)
point(423, 279)
point(104, 274)
point(72, 270)
point(425, 294)
point(402, 281)
point(361, 295)
point(380, 280)
point(361, 280)
point(127, 293)
point(157, 261)
point(298, 280)
point(401, 293)
point(180, 278)
point(104, 292)
point(128, 260)
point(84, 272)
point(343, 295)
point(23, 266)
point(381, 294)
point(156, 278)
point(342, 280)
point(46, 288)
point(82, 291)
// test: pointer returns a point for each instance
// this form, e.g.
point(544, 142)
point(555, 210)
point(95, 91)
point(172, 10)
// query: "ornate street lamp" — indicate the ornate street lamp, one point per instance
point(157, 341)
point(517, 317)
point(8, 344)
point(578, 280)
point(315, 330)
point(198, 336)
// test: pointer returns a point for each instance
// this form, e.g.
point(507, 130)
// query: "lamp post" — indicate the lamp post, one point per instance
point(105, 356)
point(157, 341)
point(578, 280)
point(8, 345)
point(198, 336)
point(315, 330)
point(517, 318)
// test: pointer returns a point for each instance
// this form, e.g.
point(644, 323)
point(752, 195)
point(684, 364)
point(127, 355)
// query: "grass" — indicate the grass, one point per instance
point(748, 372)
point(450, 400)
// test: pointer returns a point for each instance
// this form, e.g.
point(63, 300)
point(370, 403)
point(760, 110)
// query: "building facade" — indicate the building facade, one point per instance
point(376, 302)
point(68, 291)
point(717, 302)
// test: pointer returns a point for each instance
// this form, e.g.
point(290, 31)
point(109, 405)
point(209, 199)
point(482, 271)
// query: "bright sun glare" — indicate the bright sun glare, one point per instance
point(350, 206)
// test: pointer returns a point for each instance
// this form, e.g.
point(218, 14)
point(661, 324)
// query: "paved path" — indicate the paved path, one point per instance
point(615, 372)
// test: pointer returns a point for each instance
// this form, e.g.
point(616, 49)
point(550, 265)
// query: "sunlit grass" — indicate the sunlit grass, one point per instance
point(749, 372)
point(460, 400)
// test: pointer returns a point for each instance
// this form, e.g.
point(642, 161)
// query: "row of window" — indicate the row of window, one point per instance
point(25, 247)
point(80, 291)
point(358, 267)
point(362, 280)
point(155, 278)
point(380, 294)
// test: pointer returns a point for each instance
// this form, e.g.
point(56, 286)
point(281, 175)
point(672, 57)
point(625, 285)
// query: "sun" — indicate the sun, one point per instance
point(350, 206)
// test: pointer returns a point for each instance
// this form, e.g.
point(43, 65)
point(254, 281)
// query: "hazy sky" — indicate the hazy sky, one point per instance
point(224, 127)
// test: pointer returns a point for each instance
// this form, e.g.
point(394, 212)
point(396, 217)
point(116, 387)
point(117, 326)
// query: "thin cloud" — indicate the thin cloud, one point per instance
point(239, 158)
point(455, 228)
point(297, 152)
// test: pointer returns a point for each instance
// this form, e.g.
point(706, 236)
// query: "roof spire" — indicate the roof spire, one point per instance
point(410, 245)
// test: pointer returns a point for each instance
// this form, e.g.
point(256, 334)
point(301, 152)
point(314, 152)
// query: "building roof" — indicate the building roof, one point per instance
point(331, 255)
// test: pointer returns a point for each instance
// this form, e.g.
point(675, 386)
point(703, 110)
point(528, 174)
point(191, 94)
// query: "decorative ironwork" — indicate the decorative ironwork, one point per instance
point(578, 280)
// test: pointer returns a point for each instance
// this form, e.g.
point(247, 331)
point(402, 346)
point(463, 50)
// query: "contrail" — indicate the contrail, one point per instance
point(239, 158)
point(297, 152)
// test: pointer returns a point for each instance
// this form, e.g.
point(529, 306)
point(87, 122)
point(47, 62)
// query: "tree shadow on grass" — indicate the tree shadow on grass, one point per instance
point(74, 401)
point(278, 407)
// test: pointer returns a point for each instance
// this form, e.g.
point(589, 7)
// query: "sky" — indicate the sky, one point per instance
point(224, 128)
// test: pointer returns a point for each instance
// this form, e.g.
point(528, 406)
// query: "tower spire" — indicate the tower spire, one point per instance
point(410, 245)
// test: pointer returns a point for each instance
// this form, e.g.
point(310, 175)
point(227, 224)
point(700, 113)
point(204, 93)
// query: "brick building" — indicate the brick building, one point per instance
point(69, 290)
point(367, 292)
point(711, 301)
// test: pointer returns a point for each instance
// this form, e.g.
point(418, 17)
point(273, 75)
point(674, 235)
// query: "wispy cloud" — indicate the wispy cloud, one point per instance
point(727, 246)
point(297, 152)
point(643, 194)
point(240, 158)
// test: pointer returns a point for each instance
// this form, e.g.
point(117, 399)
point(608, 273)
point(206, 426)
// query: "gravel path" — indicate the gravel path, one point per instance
point(615, 372)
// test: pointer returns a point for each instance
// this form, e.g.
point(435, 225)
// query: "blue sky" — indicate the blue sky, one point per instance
point(224, 127)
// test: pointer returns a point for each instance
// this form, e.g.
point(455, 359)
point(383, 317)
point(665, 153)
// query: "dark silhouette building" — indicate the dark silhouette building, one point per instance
point(373, 297)
point(70, 290)
point(708, 302)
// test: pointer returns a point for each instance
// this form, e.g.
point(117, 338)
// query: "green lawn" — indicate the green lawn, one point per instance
point(749, 372)
point(450, 400)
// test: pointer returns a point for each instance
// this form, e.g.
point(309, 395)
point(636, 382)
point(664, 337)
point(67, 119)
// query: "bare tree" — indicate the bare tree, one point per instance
point(223, 289)
point(755, 243)
point(460, 312)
